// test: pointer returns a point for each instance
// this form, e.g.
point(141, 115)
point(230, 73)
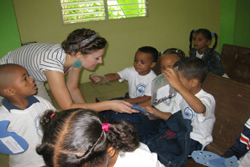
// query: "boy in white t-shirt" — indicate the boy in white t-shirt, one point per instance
point(195, 104)
point(139, 76)
point(23, 110)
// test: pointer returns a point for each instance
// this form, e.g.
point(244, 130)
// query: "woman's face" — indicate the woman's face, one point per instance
point(90, 61)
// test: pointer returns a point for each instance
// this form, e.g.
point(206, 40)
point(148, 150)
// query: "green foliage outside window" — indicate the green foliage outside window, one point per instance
point(76, 11)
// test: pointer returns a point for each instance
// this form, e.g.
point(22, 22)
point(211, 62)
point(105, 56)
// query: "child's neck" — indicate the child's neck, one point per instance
point(113, 159)
point(195, 90)
point(20, 103)
point(202, 50)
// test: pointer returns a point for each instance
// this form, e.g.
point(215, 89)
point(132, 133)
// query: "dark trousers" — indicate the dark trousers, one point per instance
point(143, 125)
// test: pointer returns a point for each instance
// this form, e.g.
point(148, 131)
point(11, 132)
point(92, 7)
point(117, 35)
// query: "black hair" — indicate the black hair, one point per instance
point(151, 50)
point(7, 70)
point(176, 51)
point(72, 44)
point(75, 137)
point(208, 35)
point(192, 68)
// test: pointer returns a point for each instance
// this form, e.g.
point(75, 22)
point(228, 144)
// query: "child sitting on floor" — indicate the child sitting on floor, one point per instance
point(80, 137)
point(23, 110)
point(139, 76)
point(195, 104)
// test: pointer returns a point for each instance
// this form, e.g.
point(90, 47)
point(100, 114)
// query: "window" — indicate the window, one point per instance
point(77, 11)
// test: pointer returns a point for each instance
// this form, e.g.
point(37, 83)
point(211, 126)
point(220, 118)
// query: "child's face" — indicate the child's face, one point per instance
point(168, 61)
point(184, 81)
point(22, 84)
point(200, 42)
point(143, 62)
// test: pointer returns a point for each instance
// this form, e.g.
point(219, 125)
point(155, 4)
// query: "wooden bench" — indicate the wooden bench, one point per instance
point(232, 111)
point(236, 62)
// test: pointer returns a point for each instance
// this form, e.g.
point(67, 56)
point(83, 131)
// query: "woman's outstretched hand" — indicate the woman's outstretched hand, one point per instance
point(121, 106)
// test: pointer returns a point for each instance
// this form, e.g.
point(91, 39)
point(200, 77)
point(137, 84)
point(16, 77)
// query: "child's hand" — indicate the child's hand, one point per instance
point(172, 77)
point(150, 110)
point(97, 78)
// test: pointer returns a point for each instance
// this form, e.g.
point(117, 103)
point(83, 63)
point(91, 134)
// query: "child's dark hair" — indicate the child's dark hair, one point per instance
point(193, 68)
point(151, 50)
point(208, 35)
point(73, 42)
point(75, 137)
point(176, 51)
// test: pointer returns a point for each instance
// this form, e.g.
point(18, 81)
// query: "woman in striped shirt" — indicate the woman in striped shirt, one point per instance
point(83, 48)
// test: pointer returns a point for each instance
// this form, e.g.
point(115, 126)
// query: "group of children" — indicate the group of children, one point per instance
point(80, 137)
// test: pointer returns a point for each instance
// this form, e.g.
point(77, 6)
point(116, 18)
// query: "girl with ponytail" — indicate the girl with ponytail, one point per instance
point(201, 39)
point(83, 138)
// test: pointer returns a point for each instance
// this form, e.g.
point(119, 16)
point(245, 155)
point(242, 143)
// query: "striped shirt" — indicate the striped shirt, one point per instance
point(36, 58)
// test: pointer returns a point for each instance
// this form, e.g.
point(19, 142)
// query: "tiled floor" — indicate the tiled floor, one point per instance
point(90, 91)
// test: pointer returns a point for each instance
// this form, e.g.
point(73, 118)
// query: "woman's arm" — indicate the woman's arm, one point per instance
point(72, 85)
point(63, 97)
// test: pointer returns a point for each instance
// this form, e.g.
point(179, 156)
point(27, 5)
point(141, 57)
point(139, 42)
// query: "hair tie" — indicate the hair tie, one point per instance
point(52, 115)
point(84, 42)
point(177, 50)
point(105, 127)
point(212, 34)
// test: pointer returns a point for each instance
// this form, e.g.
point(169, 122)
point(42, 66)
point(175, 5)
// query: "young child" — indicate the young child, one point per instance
point(139, 76)
point(167, 60)
point(143, 123)
point(241, 147)
point(201, 39)
point(80, 137)
point(195, 104)
point(23, 110)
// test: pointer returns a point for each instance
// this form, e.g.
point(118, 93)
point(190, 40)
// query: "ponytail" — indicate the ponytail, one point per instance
point(191, 39)
point(215, 42)
point(76, 137)
point(123, 137)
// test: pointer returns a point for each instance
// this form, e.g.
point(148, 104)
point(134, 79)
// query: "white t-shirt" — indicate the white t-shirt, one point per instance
point(202, 125)
point(141, 157)
point(245, 160)
point(167, 105)
point(138, 85)
point(198, 55)
point(25, 123)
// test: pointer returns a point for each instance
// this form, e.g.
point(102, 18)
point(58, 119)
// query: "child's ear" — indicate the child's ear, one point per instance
point(111, 151)
point(194, 82)
point(153, 64)
point(8, 91)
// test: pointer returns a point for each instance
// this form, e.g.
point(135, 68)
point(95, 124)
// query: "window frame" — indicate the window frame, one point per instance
point(106, 12)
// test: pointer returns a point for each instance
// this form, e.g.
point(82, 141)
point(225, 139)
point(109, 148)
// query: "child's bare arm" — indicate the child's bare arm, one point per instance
point(145, 103)
point(190, 98)
point(138, 99)
point(158, 113)
point(113, 76)
point(97, 78)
